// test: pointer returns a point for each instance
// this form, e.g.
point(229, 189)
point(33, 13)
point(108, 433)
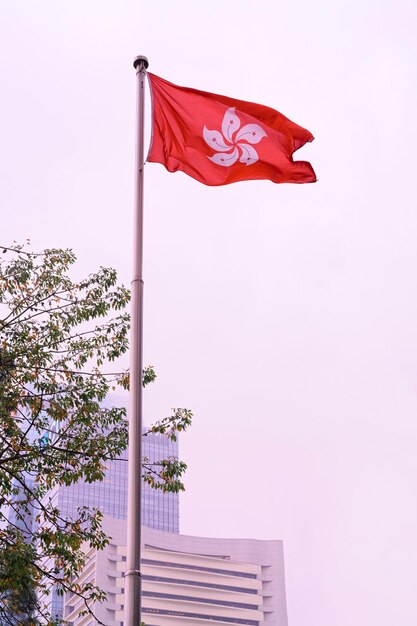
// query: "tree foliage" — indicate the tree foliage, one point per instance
point(58, 341)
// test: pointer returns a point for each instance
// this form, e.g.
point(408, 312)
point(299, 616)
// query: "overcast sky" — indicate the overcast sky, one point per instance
point(284, 316)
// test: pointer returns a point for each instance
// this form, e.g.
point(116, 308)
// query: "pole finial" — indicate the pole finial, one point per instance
point(140, 60)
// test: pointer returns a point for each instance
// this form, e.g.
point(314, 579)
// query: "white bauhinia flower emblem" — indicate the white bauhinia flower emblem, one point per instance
point(235, 147)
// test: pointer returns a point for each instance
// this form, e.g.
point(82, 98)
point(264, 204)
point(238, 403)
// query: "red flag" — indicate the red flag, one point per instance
point(218, 140)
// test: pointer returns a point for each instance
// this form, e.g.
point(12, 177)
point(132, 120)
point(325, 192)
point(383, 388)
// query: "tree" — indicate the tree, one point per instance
point(58, 337)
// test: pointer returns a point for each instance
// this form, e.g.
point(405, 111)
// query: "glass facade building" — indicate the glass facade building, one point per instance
point(159, 510)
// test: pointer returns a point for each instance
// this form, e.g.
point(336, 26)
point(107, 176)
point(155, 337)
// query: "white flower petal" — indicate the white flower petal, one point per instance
point(215, 140)
point(231, 123)
point(249, 154)
point(226, 160)
point(252, 133)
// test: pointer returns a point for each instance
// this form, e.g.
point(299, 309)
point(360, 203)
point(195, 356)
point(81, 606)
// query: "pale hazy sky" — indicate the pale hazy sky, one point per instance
point(284, 316)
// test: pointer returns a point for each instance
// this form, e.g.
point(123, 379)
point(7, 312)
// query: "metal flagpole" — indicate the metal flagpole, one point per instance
point(133, 581)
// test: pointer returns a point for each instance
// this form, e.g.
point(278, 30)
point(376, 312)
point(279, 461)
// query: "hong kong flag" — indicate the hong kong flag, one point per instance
point(218, 140)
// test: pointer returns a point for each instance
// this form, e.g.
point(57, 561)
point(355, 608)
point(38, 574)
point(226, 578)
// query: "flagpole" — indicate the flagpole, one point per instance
point(133, 582)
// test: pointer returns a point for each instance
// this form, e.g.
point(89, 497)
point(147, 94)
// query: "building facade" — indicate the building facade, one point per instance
point(188, 581)
point(159, 510)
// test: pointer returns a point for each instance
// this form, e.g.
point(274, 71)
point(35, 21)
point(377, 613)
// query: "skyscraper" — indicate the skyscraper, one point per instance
point(159, 510)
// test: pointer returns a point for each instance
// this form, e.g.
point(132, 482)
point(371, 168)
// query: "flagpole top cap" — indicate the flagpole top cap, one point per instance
point(140, 60)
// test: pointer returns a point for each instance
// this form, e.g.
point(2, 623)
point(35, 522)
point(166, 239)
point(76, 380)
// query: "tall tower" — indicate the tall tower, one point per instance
point(159, 510)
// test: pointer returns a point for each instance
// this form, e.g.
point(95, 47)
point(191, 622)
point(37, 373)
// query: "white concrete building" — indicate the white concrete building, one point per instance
point(188, 581)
